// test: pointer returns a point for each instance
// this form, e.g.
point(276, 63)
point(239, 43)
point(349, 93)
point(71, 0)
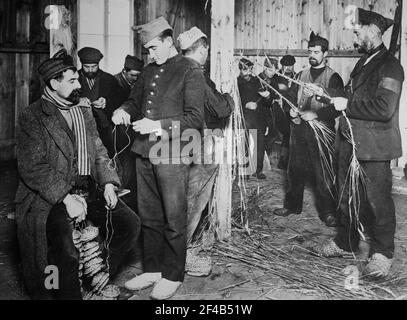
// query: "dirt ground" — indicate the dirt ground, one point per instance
point(230, 279)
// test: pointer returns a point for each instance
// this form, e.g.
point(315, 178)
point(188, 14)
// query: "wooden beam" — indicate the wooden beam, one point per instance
point(7, 143)
point(222, 44)
point(403, 111)
point(38, 48)
point(294, 52)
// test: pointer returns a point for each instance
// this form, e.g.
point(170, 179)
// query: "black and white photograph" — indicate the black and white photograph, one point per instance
point(184, 152)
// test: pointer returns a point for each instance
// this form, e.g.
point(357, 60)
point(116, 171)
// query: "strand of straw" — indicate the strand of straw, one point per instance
point(112, 165)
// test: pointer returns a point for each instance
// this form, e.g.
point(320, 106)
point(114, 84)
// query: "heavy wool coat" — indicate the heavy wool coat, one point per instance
point(373, 109)
point(47, 169)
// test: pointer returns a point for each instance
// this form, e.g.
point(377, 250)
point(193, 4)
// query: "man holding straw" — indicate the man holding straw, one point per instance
point(306, 154)
point(371, 107)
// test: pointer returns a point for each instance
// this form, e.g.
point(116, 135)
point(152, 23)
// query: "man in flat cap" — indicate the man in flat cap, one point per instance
point(103, 91)
point(252, 95)
point(129, 75)
point(305, 157)
point(167, 100)
point(371, 103)
point(218, 107)
point(64, 180)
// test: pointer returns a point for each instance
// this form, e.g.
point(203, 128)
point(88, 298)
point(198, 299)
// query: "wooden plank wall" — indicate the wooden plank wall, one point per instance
point(181, 14)
point(24, 44)
point(286, 25)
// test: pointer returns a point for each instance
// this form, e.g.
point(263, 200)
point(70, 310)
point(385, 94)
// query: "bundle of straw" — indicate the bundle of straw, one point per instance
point(301, 268)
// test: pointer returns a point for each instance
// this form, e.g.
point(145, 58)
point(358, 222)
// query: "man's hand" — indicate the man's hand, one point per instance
point(84, 102)
point(110, 196)
point(311, 89)
point(308, 116)
point(282, 87)
point(121, 117)
point(76, 207)
point(251, 106)
point(341, 104)
point(147, 126)
point(295, 116)
point(294, 113)
point(100, 103)
point(226, 87)
point(265, 94)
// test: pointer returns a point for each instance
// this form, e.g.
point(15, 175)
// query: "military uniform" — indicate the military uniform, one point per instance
point(172, 93)
point(374, 93)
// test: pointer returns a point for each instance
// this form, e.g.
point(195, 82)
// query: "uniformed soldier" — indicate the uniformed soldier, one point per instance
point(167, 100)
point(305, 158)
point(372, 105)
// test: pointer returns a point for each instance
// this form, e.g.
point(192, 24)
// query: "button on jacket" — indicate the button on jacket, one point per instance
point(172, 93)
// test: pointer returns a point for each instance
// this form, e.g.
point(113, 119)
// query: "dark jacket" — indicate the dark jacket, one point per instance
point(45, 154)
point(374, 94)
point(172, 93)
point(249, 92)
point(218, 106)
point(106, 86)
point(124, 86)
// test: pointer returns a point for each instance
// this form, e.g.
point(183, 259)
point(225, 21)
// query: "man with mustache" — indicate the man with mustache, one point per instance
point(305, 158)
point(103, 91)
point(371, 103)
point(64, 180)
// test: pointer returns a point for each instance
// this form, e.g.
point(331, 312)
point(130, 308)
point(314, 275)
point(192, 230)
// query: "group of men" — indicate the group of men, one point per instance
point(370, 101)
point(86, 122)
point(66, 150)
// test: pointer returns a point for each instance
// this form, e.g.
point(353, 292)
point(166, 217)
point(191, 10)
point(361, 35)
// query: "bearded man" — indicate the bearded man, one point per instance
point(64, 179)
point(103, 92)
point(372, 106)
point(305, 156)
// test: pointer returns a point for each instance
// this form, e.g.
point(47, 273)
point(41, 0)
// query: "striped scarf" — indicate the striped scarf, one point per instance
point(79, 128)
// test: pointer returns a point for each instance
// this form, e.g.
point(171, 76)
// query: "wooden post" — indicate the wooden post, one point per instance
point(60, 30)
point(222, 49)
point(403, 109)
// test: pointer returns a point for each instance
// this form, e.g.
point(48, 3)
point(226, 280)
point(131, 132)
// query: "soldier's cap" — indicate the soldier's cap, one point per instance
point(288, 60)
point(317, 40)
point(58, 63)
point(189, 37)
point(271, 62)
point(245, 63)
point(89, 55)
point(152, 29)
point(133, 63)
point(365, 17)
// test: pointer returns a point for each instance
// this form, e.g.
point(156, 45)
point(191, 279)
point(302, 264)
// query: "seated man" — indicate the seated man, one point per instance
point(62, 164)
